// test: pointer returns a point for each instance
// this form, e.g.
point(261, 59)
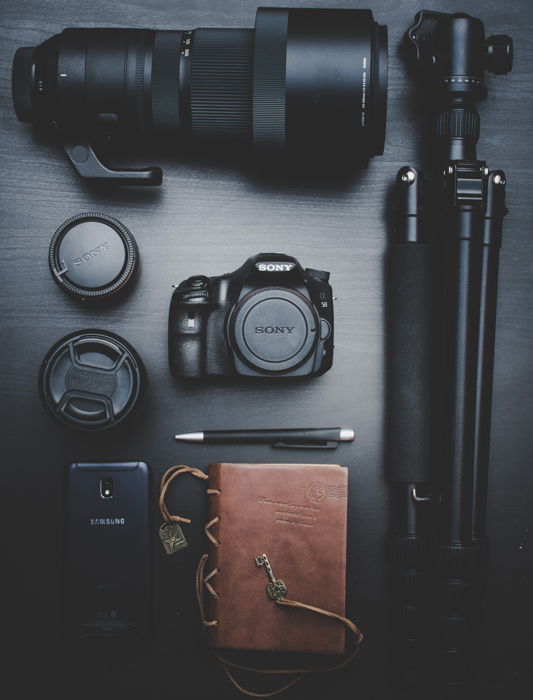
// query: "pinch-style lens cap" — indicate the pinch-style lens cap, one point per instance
point(91, 380)
point(93, 257)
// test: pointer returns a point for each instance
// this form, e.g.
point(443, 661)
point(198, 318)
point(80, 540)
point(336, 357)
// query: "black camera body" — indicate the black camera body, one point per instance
point(269, 318)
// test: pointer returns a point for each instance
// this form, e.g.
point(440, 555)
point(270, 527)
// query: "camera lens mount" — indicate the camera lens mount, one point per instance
point(274, 329)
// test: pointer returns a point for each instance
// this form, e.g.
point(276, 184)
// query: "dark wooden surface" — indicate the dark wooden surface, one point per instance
point(207, 218)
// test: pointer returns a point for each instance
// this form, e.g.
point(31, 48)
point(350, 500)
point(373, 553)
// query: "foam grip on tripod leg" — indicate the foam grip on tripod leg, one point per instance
point(410, 309)
point(461, 568)
point(409, 589)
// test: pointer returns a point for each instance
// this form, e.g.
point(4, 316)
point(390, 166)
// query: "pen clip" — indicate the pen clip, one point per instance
point(328, 445)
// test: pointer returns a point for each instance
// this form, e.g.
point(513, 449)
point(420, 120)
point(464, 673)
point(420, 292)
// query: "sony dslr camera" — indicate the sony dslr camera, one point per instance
point(269, 318)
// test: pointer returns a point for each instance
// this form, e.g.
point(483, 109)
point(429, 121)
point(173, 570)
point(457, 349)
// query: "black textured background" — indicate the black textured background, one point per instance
point(207, 218)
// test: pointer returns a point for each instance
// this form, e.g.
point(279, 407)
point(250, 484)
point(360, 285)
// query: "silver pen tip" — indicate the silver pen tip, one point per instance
point(190, 437)
point(347, 435)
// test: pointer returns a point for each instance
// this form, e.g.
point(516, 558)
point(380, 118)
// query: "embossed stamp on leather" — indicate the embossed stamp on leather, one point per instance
point(296, 513)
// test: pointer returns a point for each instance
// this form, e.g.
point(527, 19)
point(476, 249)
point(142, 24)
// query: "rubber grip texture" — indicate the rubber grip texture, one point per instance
point(410, 362)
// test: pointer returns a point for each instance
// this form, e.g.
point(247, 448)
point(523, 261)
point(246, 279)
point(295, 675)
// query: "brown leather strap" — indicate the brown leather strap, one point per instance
point(298, 672)
point(166, 480)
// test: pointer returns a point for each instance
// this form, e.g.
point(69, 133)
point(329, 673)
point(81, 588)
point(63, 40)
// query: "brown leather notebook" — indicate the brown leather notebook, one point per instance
point(296, 515)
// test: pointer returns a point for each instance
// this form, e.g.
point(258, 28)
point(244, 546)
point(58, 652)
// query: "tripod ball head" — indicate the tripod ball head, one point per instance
point(452, 54)
point(452, 51)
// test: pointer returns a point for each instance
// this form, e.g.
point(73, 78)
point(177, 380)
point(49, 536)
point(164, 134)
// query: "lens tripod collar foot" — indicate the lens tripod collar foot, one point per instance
point(89, 166)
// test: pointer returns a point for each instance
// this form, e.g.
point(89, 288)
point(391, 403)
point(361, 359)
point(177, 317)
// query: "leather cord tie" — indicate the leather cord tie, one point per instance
point(299, 673)
point(167, 478)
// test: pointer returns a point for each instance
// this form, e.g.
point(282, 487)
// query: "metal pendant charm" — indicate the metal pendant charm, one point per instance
point(172, 537)
point(276, 589)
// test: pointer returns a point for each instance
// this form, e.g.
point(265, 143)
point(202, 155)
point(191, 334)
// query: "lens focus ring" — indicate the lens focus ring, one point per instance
point(221, 84)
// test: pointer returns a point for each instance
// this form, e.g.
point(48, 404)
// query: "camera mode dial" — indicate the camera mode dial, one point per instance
point(195, 289)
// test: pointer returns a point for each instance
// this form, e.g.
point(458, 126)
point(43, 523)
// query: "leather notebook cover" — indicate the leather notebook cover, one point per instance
point(296, 515)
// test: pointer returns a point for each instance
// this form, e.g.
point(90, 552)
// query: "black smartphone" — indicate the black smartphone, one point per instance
point(108, 557)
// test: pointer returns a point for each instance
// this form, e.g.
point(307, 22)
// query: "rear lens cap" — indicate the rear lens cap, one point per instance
point(91, 380)
point(93, 257)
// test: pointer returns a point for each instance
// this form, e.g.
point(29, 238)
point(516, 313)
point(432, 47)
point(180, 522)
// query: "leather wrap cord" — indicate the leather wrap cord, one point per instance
point(204, 581)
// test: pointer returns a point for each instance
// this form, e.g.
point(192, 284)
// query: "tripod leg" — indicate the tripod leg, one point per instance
point(474, 232)
point(410, 282)
point(492, 234)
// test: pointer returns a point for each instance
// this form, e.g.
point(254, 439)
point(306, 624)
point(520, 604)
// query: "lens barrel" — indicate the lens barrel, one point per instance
point(304, 82)
point(319, 82)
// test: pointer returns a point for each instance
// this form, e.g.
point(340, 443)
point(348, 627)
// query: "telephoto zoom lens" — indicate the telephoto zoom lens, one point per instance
point(308, 83)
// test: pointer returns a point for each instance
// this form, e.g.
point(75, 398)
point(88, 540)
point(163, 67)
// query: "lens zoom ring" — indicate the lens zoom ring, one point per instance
point(221, 84)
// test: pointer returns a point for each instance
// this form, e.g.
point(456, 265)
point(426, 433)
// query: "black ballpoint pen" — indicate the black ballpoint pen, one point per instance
point(308, 438)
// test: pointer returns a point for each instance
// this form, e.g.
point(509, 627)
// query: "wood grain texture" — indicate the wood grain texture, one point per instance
point(207, 218)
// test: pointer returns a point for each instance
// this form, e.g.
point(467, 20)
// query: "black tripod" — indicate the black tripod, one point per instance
point(441, 373)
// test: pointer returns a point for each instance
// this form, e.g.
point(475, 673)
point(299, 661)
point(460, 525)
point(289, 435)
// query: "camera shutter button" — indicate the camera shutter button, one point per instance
point(199, 282)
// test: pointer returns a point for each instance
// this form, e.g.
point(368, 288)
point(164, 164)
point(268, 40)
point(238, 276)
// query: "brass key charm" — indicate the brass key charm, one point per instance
point(276, 589)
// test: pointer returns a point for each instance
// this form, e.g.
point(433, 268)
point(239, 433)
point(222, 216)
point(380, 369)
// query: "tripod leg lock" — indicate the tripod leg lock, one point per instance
point(467, 182)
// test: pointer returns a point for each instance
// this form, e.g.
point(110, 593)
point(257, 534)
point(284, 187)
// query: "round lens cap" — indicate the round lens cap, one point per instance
point(91, 380)
point(93, 257)
point(274, 329)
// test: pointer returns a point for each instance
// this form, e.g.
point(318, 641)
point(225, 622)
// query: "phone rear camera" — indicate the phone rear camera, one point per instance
point(106, 487)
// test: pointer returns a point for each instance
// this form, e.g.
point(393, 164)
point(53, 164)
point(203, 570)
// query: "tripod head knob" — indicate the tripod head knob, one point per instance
point(499, 54)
